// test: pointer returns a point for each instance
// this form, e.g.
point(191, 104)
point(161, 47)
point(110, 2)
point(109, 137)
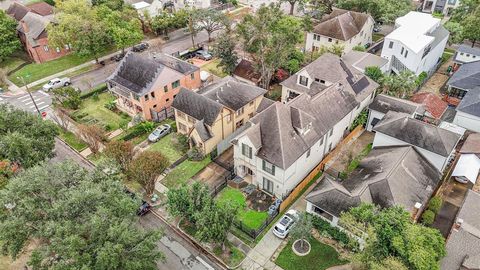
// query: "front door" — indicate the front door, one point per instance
point(267, 185)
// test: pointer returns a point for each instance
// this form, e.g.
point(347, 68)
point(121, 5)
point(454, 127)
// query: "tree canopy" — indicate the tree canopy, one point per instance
point(82, 220)
point(8, 36)
point(145, 169)
point(210, 20)
point(224, 49)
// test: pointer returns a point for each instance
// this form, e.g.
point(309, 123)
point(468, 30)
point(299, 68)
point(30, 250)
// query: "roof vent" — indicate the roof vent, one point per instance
point(429, 188)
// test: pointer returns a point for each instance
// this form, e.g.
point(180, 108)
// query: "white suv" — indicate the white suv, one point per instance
point(56, 83)
point(283, 226)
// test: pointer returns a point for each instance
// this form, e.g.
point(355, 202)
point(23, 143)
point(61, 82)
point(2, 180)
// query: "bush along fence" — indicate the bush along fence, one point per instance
point(338, 234)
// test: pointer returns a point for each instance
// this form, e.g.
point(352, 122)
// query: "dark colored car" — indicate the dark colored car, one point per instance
point(117, 57)
point(144, 208)
point(140, 47)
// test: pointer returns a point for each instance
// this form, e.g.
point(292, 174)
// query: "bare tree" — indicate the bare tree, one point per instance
point(60, 116)
point(93, 135)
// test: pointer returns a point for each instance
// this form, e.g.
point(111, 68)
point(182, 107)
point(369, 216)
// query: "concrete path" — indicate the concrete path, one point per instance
point(259, 257)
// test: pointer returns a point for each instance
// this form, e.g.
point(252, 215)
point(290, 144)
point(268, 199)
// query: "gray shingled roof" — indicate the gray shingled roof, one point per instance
point(36, 25)
point(418, 133)
point(466, 77)
point(176, 64)
point(471, 144)
point(341, 24)
point(383, 103)
point(463, 245)
point(202, 131)
point(469, 49)
point(387, 176)
point(197, 106)
point(470, 103)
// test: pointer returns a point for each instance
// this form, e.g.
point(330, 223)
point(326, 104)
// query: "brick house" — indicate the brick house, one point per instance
point(147, 86)
point(32, 30)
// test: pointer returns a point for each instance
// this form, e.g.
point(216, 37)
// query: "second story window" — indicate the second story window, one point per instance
point(192, 76)
point(146, 97)
point(401, 52)
point(308, 153)
point(175, 84)
point(239, 112)
point(330, 40)
point(390, 45)
point(303, 80)
point(246, 150)
point(229, 118)
point(165, 89)
point(180, 114)
point(152, 94)
point(268, 167)
point(406, 53)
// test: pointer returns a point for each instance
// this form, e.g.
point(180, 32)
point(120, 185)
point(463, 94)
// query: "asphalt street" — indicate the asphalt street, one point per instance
point(63, 153)
point(25, 102)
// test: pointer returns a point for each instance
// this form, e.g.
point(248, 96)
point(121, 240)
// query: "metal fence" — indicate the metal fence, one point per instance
point(254, 233)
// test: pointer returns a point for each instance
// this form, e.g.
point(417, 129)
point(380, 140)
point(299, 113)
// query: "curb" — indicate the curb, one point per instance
point(78, 153)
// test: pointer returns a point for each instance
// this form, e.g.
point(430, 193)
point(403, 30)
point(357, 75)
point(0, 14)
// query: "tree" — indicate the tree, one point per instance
point(187, 201)
point(456, 32)
point(79, 27)
point(302, 228)
point(323, 6)
point(214, 222)
point(67, 97)
point(471, 29)
point(225, 50)
point(111, 4)
point(145, 169)
point(121, 151)
point(428, 217)
point(25, 138)
point(292, 4)
point(385, 11)
point(82, 220)
point(164, 22)
point(269, 36)
point(401, 85)
point(124, 27)
point(210, 20)
point(8, 36)
point(374, 73)
point(93, 135)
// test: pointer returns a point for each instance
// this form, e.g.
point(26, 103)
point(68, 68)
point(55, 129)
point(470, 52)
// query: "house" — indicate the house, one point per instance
point(463, 243)
point(211, 115)
point(436, 144)
point(152, 7)
point(434, 106)
point(465, 54)
point(286, 140)
point(341, 27)
point(382, 104)
point(468, 165)
point(464, 79)
point(147, 86)
point(416, 44)
point(444, 7)
point(32, 30)
point(387, 176)
point(361, 60)
point(468, 111)
point(245, 72)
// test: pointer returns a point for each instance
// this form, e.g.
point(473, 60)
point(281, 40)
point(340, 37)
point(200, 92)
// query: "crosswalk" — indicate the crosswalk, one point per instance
point(25, 102)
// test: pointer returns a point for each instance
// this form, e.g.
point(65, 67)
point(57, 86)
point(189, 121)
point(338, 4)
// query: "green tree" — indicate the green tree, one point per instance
point(8, 36)
point(464, 9)
point(456, 32)
point(146, 168)
point(112, 4)
point(25, 139)
point(435, 204)
point(359, 48)
point(121, 151)
point(381, 10)
point(374, 73)
point(224, 49)
point(210, 20)
point(214, 222)
point(188, 201)
point(269, 36)
point(124, 26)
point(67, 97)
point(401, 85)
point(471, 29)
point(302, 228)
point(428, 217)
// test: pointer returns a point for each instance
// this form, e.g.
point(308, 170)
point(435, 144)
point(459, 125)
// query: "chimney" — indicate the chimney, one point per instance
point(458, 224)
point(415, 211)
point(24, 26)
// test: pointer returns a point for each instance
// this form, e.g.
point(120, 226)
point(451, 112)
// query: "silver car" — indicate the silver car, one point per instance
point(56, 83)
point(159, 132)
point(283, 226)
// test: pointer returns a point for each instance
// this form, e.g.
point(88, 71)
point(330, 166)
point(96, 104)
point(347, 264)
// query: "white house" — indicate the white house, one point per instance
point(288, 139)
point(468, 166)
point(465, 54)
point(382, 104)
point(468, 111)
point(443, 6)
point(416, 44)
point(436, 144)
point(342, 27)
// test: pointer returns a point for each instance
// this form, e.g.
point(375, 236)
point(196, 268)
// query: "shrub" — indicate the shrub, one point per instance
point(145, 127)
point(110, 105)
point(435, 204)
point(428, 217)
point(95, 97)
point(359, 48)
point(96, 90)
point(324, 228)
point(174, 126)
point(195, 154)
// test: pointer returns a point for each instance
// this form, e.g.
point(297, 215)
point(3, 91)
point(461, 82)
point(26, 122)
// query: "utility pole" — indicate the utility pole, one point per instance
point(30, 94)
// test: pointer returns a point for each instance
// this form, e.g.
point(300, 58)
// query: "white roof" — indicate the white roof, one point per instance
point(140, 5)
point(204, 75)
point(412, 30)
point(468, 166)
point(452, 127)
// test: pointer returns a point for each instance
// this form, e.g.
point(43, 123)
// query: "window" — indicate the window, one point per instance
point(322, 81)
point(251, 103)
point(308, 153)
point(390, 45)
point(191, 119)
point(181, 114)
point(406, 53)
point(192, 76)
point(239, 112)
point(474, 56)
point(321, 142)
point(330, 40)
point(45, 48)
point(175, 84)
point(317, 79)
point(316, 37)
point(167, 100)
point(458, 93)
point(468, 55)
point(268, 167)
point(246, 150)
point(155, 106)
point(165, 89)
point(371, 96)
point(152, 94)
point(401, 52)
point(461, 53)
point(57, 49)
point(146, 97)
point(331, 133)
point(267, 185)
point(303, 80)
point(250, 115)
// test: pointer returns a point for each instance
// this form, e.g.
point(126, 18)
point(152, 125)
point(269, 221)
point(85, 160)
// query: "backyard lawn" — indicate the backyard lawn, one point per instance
point(167, 147)
point(321, 257)
point(92, 110)
point(72, 140)
point(250, 218)
point(214, 69)
point(183, 172)
point(376, 37)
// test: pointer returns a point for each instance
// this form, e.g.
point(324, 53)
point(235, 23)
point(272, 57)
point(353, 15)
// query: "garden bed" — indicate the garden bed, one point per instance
point(184, 171)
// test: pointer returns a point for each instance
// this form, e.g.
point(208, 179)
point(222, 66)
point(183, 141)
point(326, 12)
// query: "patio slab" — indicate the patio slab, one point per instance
point(213, 175)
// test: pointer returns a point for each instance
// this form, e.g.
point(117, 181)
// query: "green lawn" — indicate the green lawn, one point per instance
point(250, 218)
point(321, 257)
point(183, 172)
point(376, 37)
point(236, 256)
point(93, 111)
point(72, 140)
point(167, 147)
point(214, 69)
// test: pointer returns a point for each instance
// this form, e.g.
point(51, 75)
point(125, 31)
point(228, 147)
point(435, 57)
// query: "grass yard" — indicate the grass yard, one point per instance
point(376, 37)
point(214, 69)
point(167, 147)
point(72, 140)
point(321, 257)
point(92, 110)
point(250, 218)
point(183, 172)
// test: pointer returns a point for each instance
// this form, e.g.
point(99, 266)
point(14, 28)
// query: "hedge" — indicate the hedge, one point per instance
point(435, 204)
point(323, 227)
point(97, 90)
point(428, 217)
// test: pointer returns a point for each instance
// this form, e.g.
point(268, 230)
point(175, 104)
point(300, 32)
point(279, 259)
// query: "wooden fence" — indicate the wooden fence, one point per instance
point(296, 192)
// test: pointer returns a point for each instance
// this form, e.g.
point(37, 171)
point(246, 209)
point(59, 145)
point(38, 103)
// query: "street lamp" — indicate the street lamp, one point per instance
point(30, 94)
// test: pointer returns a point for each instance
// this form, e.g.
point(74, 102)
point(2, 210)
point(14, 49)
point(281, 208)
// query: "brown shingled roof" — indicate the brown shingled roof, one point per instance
point(341, 24)
point(41, 8)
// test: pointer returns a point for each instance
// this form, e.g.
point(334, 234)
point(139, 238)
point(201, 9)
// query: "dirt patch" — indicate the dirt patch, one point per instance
point(7, 264)
point(259, 201)
point(351, 151)
point(213, 175)
point(434, 84)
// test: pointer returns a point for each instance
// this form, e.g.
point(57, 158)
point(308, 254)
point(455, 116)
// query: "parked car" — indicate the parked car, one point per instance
point(117, 57)
point(144, 207)
point(377, 28)
point(367, 45)
point(204, 55)
point(56, 83)
point(283, 226)
point(159, 132)
point(140, 47)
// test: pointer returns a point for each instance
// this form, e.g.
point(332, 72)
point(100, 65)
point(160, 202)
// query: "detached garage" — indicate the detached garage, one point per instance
point(467, 168)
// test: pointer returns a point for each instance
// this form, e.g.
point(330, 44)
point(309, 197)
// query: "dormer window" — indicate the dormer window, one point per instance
point(303, 80)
